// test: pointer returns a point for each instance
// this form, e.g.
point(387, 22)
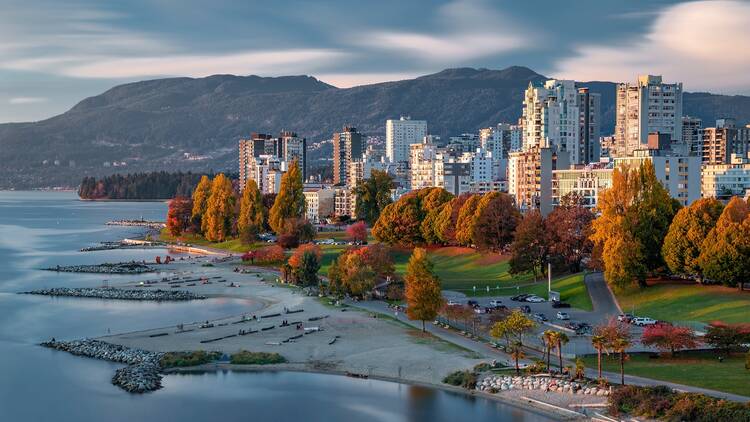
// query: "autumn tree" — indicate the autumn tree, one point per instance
point(357, 232)
point(690, 227)
point(617, 339)
point(667, 337)
point(373, 195)
point(400, 222)
point(518, 325)
point(251, 217)
point(306, 274)
point(357, 270)
point(217, 221)
point(516, 353)
point(569, 228)
point(290, 201)
point(727, 337)
point(530, 246)
point(725, 252)
point(635, 214)
point(466, 220)
point(200, 201)
point(179, 215)
point(496, 221)
point(380, 259)
point(446, 221)
point(423, 294)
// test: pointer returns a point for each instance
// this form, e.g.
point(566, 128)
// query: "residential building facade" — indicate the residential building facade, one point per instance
point(347, 147)
point(400, 134)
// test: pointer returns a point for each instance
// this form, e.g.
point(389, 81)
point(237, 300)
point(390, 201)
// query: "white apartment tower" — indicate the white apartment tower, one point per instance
point(644, 107)
point(400, 134)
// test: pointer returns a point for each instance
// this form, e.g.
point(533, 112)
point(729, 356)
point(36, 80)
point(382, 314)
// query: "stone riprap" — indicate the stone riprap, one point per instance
point(499, 383)
point(119, 294)
point(142, 374)
point(138, 223)
point(116, 268)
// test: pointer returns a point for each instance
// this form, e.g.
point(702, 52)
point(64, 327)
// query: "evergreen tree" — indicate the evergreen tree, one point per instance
point(217, 221)
point(290, 202)
point(373, 195)
point(251, 219)
point(423, 294)
point(307, 272)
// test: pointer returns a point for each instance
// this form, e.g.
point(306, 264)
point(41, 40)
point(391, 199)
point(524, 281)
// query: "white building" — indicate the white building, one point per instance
point(644, 107)
point(422, 160)
point(586, 183)
point(725, 180)
point(451, 173)
point(401, 133)
point(319, 202)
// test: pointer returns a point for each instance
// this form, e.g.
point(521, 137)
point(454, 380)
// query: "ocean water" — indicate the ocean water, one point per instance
point(44, 229)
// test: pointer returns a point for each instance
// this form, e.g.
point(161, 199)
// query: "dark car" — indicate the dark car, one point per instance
point(519, 298)
point(556, 304)
point(540, 317)
point(473, 303)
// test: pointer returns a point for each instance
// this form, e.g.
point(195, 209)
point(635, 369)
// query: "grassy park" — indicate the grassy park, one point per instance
point(699, 369)
point(687, 303)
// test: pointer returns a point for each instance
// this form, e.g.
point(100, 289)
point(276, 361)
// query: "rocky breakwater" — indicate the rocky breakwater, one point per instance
point(138, 223)
point(142, 374)
point(498, 383)
point(107, 268)
point(119, 294)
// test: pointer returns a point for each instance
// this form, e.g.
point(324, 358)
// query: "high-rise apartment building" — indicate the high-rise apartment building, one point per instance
point(530, 176)
point(400, 134)
point(496, 139)
point(422, 158)
point(561, 116)
point(644, 107)
point(724, 140)
point(293, 147)
point(347, 147)
point(692, 135)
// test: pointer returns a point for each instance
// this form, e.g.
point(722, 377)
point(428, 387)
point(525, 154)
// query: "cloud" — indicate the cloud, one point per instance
point(27, 100)
point(705, 44)
point(464, 30)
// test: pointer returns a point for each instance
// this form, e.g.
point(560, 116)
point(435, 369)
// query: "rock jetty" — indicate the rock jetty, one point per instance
point(142, 374)
point(105, 246)
point(119, 294)
point(138, 223)
point(495, 384)
point(107, 268)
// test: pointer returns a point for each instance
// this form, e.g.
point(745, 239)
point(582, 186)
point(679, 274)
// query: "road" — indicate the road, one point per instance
point(491, 353)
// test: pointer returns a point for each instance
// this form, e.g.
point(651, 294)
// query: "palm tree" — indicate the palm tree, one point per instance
point(517, 354)
point(548, 337)
point(561, 338)
point(619, 345)
point(600, 344)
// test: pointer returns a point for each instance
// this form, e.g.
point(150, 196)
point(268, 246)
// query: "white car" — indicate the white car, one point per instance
point(643, 321)
point(534, 299)
point(496, 303)
point(563, 316)
point(453, 303)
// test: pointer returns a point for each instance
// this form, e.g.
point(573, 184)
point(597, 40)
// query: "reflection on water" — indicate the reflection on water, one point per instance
point(39, 230)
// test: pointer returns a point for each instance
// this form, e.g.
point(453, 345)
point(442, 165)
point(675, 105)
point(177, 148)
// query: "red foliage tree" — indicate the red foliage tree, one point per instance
point(179, 214)
point(569, 227)
point(357, 232)
point(666, 337)
point(497, 218)
point(268, 255)
point(296, 259)
point(725, 336)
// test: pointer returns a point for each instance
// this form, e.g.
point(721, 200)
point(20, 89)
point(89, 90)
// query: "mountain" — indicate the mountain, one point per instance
point(194, 123)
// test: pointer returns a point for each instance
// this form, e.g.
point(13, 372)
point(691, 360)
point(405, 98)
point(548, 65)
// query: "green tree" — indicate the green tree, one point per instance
point(251, 219)
point(290, 202)
point(690, 227)
point(518, 324)
point(217, 221)
point(423, 294)
point(599, 342)
point(307, 272)
point(200, 200)
point(548, 337)
point(725, 253)
point(561, 339)
point(373, 195)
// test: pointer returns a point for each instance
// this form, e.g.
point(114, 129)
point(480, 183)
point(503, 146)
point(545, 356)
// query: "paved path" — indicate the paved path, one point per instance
point(602, 299)
point(492, 353)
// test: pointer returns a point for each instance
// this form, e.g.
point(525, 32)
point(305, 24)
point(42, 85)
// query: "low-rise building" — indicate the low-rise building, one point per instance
point(319, 202)
point(726, 180)
point(584, 182)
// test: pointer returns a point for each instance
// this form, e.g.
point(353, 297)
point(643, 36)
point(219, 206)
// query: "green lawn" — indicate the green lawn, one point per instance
point(571, 288)
point(691, 304)
point(232, 245)
point(699, 369)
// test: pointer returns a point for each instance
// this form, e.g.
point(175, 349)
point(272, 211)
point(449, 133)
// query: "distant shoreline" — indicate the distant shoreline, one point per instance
point(123, 200)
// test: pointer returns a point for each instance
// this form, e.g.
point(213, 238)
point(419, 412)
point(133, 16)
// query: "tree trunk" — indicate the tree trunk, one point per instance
point(549, 352)
point(622, 368)
point(518, 370)
point(599, 362)
point(559, 355)
point(423, 330)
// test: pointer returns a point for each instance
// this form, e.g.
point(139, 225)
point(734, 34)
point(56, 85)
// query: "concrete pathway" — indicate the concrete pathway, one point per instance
point(602, 298)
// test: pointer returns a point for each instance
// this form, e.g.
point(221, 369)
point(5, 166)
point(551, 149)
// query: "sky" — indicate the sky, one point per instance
point(54, 53)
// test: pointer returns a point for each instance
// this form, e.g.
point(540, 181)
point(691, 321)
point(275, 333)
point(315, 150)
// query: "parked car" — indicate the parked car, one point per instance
point(478, 310)
point(643, 321)
point(473, 303)
point(556, 304)
point(495, 303)
point(563, 316)
point(540, 317)
point(625, 318)
point(534, 299)
point(519, 298)
point(452, 303)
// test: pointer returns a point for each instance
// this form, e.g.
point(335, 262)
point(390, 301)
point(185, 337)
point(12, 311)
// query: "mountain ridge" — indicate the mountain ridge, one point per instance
point(194, 123)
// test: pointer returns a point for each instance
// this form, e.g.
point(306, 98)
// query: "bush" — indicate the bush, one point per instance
point(182, 359)
point(465, 379)
point(269, 255)
point(244, 357)
point(665, 404)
